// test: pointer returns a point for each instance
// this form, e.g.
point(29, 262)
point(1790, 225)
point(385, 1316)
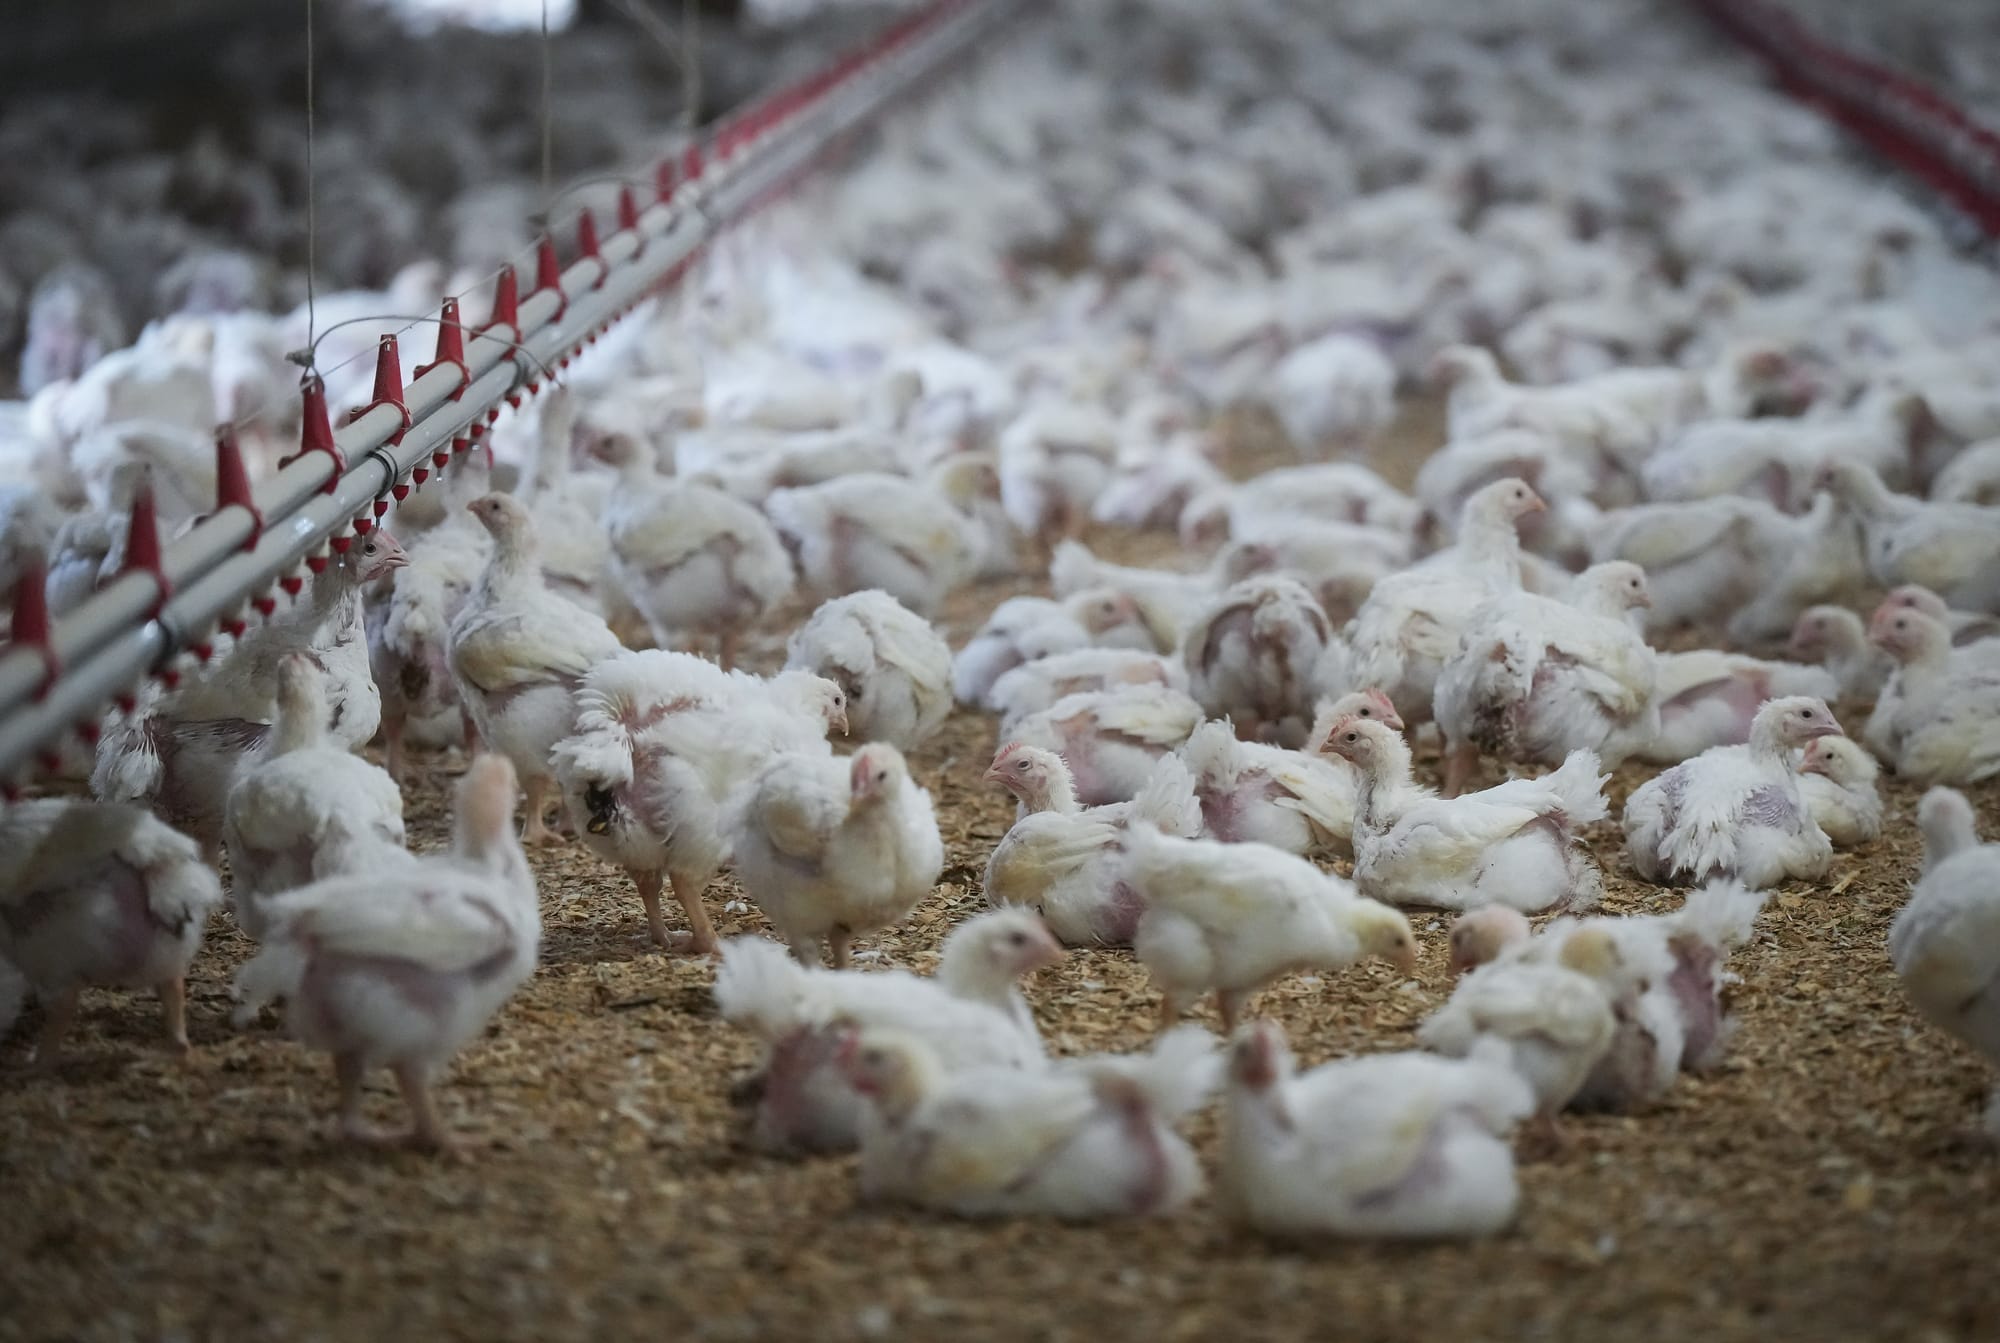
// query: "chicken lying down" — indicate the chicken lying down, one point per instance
point(1966, 627)
point(1837, 639)
point(1937, 721)
point(1677, 1022)
point(1066, 861)
point(1558, 1019)
point(1403, 1144)
point(971, 1014)
point(309, 809)
point(831, 848)
point(1090, 1138)
point(1952, 549)
point(1735, 811)
point(1111, 739)
point(1343, 492)
point(402, 969)
point(1709, 698)
point(1517, 844)
point(1945, 943)
point(1411, 623)
point(1021, 630)
point(1297, 801)
point(1534, 679)
point(1161, 602)
point(98, 894)
point(875, 530)
point(1838, 778)
point(1261, 654)
point(183, 750)
point(661, 743)
point(518, 653)
point(690, 559)
point(893, 667)
point(1034, 686)
point(1233, 918)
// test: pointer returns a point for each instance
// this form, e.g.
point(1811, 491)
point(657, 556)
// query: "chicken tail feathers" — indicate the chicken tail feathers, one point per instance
point(1170, 1081)
point(1721, 914)
point(1580, 785)
point(1167, 800)
point(759, 986)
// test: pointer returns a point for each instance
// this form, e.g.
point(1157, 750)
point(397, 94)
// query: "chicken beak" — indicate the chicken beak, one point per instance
point(598, 825)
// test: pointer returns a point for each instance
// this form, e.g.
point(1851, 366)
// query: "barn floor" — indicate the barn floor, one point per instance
point(1828, 1182)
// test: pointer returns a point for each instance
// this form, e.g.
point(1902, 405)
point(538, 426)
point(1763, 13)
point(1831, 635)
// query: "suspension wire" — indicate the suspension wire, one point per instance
point(548, 134)
point(312, 213)
point(691, 62)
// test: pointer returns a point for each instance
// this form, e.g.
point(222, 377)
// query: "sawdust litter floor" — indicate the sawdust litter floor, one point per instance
point(1828, 1182)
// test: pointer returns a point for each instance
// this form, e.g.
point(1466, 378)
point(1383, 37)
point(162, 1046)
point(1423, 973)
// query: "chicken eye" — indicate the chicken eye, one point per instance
point(1352, 736)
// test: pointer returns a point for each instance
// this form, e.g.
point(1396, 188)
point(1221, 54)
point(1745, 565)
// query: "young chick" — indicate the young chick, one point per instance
point(309, 809)
point(691, 559)
point(1515, 844)
point(1067, 861)
point(1945, 943)
point(1836, 638)
point(1110, 739)
point(99, 894)
point(970, 1013)
point(831, 848)
point(518, 652)
point(1252, 656)
point(1735, 810)
point(1938, 719)
point(1235, 917)
point(402, 970)
point(891, 664)
point(1838, 777)
point(1091, 1139)
point(1405, 1144)
point(1967, 627)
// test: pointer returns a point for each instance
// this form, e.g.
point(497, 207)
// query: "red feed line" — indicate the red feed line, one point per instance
point(1919, 130)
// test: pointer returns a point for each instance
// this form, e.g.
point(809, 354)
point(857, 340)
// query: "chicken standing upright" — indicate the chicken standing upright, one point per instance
point(1735, 810)
point(518, 653)
point(308, 809)
point(874, 530)
point(1234, 917)
point(99, 894)
point(402, 969)
point(890, 663)
point(834, 847)
point(1405, 1144)
point(1945, 943)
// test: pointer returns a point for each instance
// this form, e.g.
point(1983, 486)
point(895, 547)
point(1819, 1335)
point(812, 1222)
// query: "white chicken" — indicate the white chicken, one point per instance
point(402, 969)
point(891, 664)
point(1406, 1144)
point(1232, 918)
point(1516, 844)
point(1953, 549)
point(873, 530)
point(1111, 738)
point(1945, 943)
point(1336, 393)
point(1292, 800)
point(689, 558)
point(309, 809)
point(1094, 1138)
point(1837, 639)
point(832, 848)
point(1557, 1019)
point(1021, 630)
point(1065, 860)
point(662, 741)
point(1260, 654)
point(1735, 810)
point(1966, 627)
point(1837, 776)
point(1055, 459)
point(518, 652)
point(1938, 718)
point(1709, 698)
point(971, 1013)
point(1035, 686)
point(1411, 623)
point(1534, 678)
point(97, 894)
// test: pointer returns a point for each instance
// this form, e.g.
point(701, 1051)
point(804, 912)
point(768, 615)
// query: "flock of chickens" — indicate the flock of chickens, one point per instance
point(1751, 394)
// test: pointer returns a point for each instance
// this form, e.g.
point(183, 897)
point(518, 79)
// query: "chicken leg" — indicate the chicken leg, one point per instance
point(649, 892)
point(427, 1131)
point(1230, 1003)
point(688, 888)
point(173, 1008)
point(1460, 763)
point(536, 829)
point(840, 947)
point(57, 1014)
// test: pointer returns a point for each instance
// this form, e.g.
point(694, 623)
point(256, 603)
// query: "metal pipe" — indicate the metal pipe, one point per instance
point(113, 639)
